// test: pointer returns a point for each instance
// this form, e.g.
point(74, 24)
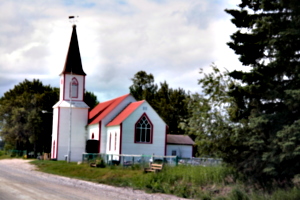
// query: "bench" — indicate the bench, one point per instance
point(97, 163)
point(154, 167)
point(94, 164)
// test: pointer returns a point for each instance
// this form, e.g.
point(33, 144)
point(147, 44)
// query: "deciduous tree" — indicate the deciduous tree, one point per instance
point(26, 115)
point(23, 126)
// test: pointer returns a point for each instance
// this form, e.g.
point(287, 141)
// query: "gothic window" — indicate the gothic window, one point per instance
point(53, 148)
point(115, 141)
point(74, 88)
point(109, 142)
point(143, 130)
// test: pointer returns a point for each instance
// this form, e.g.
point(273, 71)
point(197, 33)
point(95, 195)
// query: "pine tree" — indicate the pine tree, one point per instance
point(267, 100)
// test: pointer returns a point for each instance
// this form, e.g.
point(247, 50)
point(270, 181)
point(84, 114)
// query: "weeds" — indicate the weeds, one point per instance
point(209, 183)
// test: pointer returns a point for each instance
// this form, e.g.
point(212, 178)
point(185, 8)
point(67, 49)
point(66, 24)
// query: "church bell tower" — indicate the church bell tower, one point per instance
point(70, 113)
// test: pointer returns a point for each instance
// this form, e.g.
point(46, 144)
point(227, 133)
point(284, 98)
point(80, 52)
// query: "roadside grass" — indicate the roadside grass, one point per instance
point(5, 155)
point(196, 182)
point(182, 181)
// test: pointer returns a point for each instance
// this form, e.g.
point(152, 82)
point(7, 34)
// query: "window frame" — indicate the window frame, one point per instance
point(136, 130)
point(74, 82)
point(109, 147)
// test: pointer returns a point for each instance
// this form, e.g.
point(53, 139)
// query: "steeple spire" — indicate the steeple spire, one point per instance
point(73, 60)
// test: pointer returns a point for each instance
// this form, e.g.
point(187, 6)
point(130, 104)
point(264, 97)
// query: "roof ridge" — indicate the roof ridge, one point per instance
point(102, 109)
point(126, 112)
point(120, 112)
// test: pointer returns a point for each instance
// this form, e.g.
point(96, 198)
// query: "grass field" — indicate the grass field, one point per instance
point(183, 181)
point(195, 182)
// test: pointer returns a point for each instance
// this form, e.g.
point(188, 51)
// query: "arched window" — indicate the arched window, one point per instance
point(109, 142)
point(53, 150)
point(74, 88)
point(115, 141)
point(143, 130)
point(93, 136)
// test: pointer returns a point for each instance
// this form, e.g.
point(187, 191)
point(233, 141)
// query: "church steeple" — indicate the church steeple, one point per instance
point(73, 60)
point(71, 112)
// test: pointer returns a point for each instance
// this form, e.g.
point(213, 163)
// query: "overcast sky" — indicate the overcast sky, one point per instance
point(172, 39)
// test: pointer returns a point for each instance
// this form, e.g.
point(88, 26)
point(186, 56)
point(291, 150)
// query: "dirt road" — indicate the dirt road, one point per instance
point(20, 180)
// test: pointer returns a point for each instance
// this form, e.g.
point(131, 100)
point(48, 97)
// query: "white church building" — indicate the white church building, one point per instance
point(118, 126)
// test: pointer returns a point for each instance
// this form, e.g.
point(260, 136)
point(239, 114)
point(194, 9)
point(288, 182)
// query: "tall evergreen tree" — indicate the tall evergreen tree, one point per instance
point(268, 41)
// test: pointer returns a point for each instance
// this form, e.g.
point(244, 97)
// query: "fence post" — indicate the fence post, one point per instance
point(176, 161)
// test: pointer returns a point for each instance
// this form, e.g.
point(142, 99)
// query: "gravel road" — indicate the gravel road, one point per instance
point(20, 180)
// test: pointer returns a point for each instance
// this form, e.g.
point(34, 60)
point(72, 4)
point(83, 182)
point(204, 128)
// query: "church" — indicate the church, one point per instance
point(118, 126)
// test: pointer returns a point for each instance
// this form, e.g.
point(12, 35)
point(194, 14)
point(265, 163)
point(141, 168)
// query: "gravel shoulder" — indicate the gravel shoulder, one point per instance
point(20, 179)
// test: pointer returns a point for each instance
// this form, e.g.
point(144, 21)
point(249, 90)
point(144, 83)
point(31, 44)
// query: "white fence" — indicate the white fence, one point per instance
point(129, 160)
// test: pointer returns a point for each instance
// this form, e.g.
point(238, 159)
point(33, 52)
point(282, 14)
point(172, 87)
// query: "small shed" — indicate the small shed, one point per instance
point(180, 145)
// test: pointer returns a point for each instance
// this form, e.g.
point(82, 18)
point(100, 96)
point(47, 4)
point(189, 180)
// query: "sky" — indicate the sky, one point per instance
point(171, 39)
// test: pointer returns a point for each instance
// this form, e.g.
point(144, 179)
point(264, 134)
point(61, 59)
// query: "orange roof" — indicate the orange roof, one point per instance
point(125, 113)
point(102, 109)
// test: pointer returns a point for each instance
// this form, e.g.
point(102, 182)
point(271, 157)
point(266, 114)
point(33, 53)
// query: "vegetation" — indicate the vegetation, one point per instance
point(198, 182)
point(26, 116)
point(266, 102)
point(23, 125)
point(209, 122)
point(250, 119)
point(169, 103)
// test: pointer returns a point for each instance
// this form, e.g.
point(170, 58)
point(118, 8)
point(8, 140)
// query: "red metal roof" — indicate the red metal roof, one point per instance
point(179, 139)
point(102, 109)
point(125, 113)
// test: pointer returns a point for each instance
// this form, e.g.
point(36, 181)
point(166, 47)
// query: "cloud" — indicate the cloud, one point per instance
point(171, 39)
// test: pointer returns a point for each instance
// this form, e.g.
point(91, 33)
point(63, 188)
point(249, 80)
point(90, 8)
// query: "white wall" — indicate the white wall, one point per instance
point(183, 151)
point(94, 128)
point(65, 89)
point(54, 133)
point(115, 140)
point(108, 118)
point(78, 132)
point(157, 146)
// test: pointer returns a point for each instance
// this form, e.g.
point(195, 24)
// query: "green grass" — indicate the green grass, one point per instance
point(8, 155)
point(209, 183)
point(183, 181)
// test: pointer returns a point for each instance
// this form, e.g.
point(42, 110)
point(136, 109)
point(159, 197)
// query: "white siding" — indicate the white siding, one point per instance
point(183, 151)
point(65, 89)
point(115, 141)
point(108, 118)
point(78, 132)
point(54, 133)
point(159, 133)
point(93, 129)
